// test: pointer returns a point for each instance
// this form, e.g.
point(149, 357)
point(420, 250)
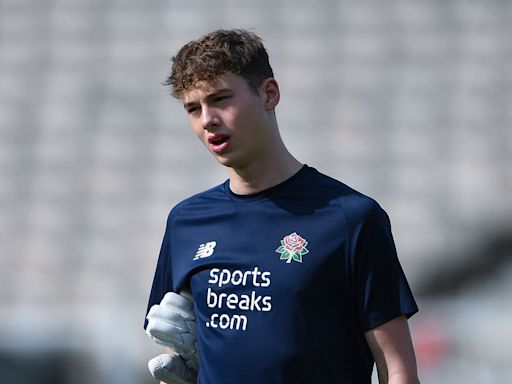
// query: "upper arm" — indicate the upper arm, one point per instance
point(162, 280)
point(392, 350)
point(380, 288)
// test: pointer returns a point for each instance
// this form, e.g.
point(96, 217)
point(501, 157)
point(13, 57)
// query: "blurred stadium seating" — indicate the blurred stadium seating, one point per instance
point(409, 102)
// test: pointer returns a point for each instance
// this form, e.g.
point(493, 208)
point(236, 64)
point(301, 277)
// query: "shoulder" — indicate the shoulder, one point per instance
point(199, 202)
point(355, 205)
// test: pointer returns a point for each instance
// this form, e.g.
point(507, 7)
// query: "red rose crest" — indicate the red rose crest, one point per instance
point(292, 247)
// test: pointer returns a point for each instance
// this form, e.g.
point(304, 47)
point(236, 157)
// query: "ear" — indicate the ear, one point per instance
point(271, 94)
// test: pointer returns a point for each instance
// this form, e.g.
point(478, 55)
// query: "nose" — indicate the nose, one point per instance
point(209, 118)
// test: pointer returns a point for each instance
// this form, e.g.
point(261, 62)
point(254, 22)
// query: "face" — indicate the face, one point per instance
point(231, 119)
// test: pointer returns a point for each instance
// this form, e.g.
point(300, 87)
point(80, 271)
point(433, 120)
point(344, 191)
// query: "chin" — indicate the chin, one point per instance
point(231, 163)
point(231, 160)
point(225, 161)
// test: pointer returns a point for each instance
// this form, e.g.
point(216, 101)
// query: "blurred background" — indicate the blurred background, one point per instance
point(408, 101)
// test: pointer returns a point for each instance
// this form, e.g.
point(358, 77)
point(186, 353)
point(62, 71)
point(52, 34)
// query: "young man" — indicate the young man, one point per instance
point(294, 275)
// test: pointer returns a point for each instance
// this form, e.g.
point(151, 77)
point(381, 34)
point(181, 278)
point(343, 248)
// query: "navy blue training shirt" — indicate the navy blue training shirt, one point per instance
point(285, 281)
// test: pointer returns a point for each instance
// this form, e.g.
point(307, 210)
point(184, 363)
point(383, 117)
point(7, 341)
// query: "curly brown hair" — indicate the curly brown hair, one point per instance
point(236, 51)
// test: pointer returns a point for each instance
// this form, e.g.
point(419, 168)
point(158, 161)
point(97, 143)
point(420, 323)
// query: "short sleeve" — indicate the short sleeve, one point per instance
point(382, 291)
point(162, 280)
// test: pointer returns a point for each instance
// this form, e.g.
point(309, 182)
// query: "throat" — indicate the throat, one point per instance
point(246, 183)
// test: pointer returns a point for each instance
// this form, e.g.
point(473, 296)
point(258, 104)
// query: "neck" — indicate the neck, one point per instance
point(264, 173)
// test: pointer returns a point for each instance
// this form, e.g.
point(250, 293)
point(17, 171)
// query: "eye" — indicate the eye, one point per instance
point(193, 110)
point(218, 99)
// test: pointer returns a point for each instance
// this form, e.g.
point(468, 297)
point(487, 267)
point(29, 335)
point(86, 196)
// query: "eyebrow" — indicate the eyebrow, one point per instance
point(207, 97)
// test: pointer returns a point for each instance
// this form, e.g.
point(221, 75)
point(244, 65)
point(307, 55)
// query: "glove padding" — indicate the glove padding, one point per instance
point(172, 369)
point(172, 323)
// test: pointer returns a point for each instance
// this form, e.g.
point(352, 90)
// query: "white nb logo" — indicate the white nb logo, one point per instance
point(205, 250)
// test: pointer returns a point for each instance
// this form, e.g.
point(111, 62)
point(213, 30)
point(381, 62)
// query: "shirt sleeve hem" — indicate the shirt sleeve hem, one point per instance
point(379, 319)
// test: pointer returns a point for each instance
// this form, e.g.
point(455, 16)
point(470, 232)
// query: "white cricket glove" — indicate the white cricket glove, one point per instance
point(172, 323)
point(172, 369)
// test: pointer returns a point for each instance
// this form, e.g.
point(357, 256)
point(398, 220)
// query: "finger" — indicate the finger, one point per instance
point(189, 353)
point(167, 322)
point(165, 331)
point(170, 315)
point(171, 369)
point(181, 336)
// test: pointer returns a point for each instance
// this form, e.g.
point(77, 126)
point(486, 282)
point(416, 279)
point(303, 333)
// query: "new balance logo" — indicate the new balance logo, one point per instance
point(205, 250)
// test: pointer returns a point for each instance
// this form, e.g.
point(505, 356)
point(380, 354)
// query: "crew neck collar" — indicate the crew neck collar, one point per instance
point(266, 192)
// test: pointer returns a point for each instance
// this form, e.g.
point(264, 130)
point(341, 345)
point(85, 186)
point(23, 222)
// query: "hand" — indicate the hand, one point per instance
point(172, 324)
point(171, 369)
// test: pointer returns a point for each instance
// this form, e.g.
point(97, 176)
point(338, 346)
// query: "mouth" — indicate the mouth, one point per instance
point(218, 142)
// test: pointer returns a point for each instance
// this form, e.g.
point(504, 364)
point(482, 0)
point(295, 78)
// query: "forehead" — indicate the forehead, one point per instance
point(225, 82)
